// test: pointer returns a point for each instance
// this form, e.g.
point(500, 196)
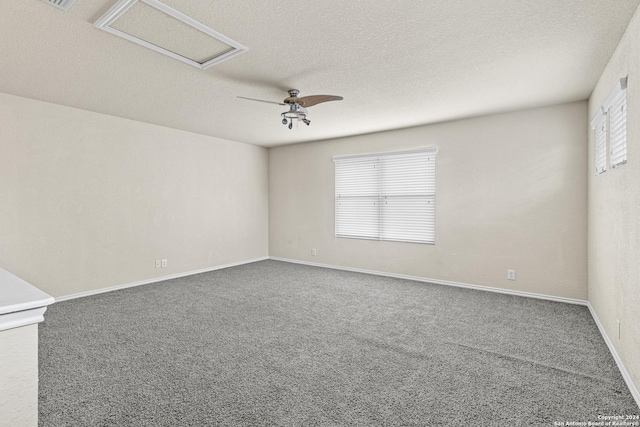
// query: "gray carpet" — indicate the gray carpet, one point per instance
point(273, 343)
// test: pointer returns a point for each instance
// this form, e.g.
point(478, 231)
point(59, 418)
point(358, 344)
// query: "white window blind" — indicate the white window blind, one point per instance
point(618, 130)
point(386, 196)
point(358, 197)
point(615, 108)
point(601, 145)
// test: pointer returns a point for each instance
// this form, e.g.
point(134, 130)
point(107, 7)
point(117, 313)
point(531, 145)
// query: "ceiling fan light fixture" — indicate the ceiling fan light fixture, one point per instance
point(296, 112)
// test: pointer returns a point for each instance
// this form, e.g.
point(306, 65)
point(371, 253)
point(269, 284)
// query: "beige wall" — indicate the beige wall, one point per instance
point(511, 194)
point(19, 377)
point(614, 214)
point(89, 201)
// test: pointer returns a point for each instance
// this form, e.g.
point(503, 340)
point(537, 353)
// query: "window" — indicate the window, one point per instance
point(614, 109)
point(617, 113)
point(386, 196)
point(599, 124)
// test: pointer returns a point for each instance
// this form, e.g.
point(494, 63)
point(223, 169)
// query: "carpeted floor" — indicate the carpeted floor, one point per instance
point(273, 343)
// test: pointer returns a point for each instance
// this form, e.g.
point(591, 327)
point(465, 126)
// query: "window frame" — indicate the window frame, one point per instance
point(610, 129)
point(389, 223)
point(616, 109)
point(600, 136)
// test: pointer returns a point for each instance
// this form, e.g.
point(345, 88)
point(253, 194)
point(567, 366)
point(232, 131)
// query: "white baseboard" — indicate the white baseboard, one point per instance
point(155, 280)
point(437, 281)
point(623, 370)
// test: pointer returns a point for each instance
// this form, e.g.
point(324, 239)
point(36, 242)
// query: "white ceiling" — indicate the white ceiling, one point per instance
point(397, 63)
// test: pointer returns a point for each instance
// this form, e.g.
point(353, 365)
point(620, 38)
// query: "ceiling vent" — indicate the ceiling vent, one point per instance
point(158, 27)
point(60, 4)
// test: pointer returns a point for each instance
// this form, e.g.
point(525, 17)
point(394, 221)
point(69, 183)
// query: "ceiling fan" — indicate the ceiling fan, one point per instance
point(298, 106)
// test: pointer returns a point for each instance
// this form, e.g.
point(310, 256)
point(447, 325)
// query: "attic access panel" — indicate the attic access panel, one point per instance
point(158, 27)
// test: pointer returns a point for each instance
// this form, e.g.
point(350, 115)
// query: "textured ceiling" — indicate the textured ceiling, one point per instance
point(397, 63)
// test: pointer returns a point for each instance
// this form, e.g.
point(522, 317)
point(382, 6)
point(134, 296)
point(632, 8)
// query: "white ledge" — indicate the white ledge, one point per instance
point(21, 304)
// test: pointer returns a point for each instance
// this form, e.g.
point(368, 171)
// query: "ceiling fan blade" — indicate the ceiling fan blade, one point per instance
point(309, 101)
point(262, 100)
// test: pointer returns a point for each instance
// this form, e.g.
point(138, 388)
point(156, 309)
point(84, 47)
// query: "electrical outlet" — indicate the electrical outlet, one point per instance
point(313, 252)
point(511, 274)
point(164, 263)
point(158, 263)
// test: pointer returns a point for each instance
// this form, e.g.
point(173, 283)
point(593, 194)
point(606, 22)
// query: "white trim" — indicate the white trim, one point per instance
point(123, 5)
point(18, 295)
point(625, 374)
point(21, 304)
point(438, 282)
point(431, 150)
point(156, 279)
point(620, 86)
point(22, 318)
